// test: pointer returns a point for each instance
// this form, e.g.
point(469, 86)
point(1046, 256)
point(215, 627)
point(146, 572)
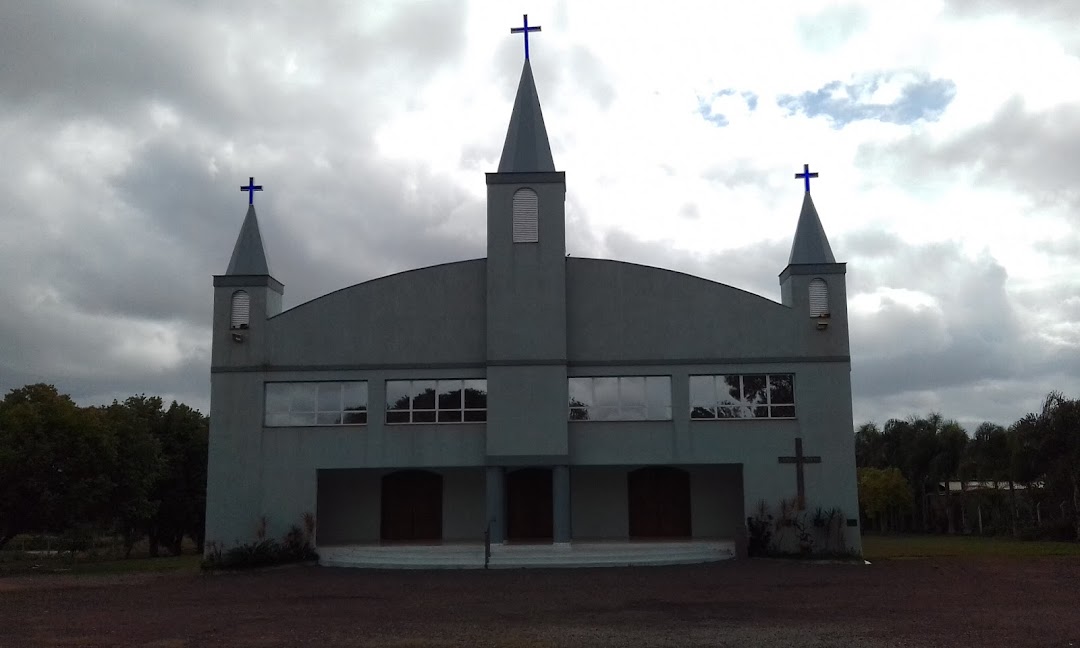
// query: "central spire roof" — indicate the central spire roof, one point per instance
point(526, 148)
point(810, 244)
point(249, 257)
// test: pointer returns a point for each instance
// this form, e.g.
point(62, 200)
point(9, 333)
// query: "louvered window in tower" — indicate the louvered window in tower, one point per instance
point(526, 209)
point(241, 310)
point(819, 298)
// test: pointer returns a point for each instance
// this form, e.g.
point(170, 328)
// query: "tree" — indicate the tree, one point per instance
point(869, 446)
point(54, 463)
point(181, 486)
point(136, 424)
point(884, 494)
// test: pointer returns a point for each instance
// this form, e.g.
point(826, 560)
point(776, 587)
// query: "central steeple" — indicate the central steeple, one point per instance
point(526, 148)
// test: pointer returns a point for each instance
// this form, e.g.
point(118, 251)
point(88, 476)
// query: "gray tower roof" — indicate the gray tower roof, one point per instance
point(526, 148)
point(248, 256)
point(810, 244)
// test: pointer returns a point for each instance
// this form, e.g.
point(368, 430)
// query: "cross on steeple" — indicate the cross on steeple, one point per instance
point(800, 460)
point(525, 29)
point(251, 188)
point(806, 175)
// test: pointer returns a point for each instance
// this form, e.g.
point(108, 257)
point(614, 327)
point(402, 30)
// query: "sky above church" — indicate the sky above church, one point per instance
point(946, 133)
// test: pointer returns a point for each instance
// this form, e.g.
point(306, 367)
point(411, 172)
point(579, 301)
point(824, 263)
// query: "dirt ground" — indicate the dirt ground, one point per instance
point(924, 602)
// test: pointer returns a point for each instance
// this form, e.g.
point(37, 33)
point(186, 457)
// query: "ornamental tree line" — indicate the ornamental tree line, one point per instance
point(903, 465)
point(134, 469)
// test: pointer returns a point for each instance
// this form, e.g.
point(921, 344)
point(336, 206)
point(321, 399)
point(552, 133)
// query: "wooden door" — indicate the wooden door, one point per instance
point(412, 506)
point(529, 504)
point(659, 502)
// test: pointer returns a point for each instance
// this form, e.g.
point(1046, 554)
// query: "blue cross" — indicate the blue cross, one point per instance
point(806, 175)
point(251, 188)
point(525, 30)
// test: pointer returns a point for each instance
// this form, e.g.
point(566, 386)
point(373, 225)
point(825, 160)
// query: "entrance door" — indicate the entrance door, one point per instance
point(412, 506)
point(529, 504)
point(659, 502)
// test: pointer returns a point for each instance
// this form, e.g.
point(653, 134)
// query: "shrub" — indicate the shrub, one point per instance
point(295, 547)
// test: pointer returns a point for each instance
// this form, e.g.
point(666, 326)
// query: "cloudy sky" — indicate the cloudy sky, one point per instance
point(947, 135)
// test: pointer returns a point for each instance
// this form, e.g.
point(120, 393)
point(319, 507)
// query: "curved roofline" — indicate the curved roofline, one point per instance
point(685, 274)
point(389, 276)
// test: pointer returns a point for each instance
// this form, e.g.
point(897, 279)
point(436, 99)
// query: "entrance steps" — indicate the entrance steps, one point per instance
point(511, 556)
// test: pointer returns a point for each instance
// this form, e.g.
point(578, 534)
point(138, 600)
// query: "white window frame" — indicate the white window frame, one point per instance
point(317, 415)
point(623, 410)
point(745, 408)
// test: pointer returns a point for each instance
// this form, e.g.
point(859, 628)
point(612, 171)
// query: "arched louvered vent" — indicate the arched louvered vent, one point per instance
point(526, 209)
point(819, 298)
point(241, 310)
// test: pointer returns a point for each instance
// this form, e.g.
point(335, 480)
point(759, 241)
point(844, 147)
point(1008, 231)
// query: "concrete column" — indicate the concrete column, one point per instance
point(496, 503)
point(560, 495)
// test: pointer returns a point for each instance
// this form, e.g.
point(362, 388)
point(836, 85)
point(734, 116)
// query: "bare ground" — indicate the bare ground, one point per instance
point(926, 602)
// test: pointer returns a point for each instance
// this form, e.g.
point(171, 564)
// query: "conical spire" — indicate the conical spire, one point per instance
point(248, 257)
point(526, 148)
point(810, 244)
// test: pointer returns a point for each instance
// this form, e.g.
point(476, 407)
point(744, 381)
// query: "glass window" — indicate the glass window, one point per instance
point(436, 401)
point(620, 398)
point(315, 403)
point(743, 396)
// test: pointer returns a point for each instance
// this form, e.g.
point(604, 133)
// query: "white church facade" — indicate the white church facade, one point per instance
point(529, 396)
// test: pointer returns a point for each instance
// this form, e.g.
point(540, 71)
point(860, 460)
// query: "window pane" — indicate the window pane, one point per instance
point(475, 415)
point(581, 392)
point(450, 396)
point(450, 416)
point(606, 391)
point(302, 397)
point(397, 395)
point(604, 413)
point(754, 390)
point(423, 394)
point(756, 412)
point(579, 414)
point(783, 411)
point(354, 418)
point(658, 397)
point(476, 394)
point(277, 419)
point(727, 390)
point(781, 389)
point(424, 416)
point(302, 418)
point(632, 391)
point(702, 396)
point(729, 411)
point(329, 397)
point(277, 397)
point(355, 396)
point(397, 417)
point(636, 413)
point(325, 418)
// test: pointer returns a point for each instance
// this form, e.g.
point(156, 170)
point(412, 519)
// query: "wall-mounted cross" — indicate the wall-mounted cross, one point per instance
point(800, 482)
point(525, 30)
point(251, 188)
point(806, 175)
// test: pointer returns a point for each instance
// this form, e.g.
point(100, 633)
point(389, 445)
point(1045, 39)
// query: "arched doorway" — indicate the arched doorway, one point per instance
point(412, 506)
point(659, 502)
point(529, 504)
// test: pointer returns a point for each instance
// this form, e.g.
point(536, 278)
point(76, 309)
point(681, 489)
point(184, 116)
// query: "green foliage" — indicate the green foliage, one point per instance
point(883, 494)
point(295, 547)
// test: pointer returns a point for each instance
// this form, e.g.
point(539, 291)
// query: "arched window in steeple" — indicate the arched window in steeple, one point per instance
point(819, 298)
point(526, 213)
point(241, 310)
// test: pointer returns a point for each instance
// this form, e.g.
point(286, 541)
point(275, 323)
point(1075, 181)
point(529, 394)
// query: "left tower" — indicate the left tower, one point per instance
point(245, 297)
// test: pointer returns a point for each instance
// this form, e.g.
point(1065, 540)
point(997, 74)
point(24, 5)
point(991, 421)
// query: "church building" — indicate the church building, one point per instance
point(529, 397)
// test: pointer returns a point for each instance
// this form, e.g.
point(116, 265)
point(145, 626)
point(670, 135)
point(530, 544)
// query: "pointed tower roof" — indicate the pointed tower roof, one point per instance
point(249, 257)
point(526, 148)
point(810, 244)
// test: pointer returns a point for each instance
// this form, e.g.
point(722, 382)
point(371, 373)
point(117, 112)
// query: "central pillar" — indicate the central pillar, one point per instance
point(560, 495)
point(496, 503)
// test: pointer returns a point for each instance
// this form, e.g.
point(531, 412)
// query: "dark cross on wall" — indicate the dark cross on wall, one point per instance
point(251, 188)
point(806, 175)
point(800, 481)
point(525, 30)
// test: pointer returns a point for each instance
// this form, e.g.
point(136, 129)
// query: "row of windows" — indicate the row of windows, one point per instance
point(610, 398)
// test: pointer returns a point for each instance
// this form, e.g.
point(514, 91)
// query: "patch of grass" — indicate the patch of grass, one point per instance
point(927, 546)
point(22, 564)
